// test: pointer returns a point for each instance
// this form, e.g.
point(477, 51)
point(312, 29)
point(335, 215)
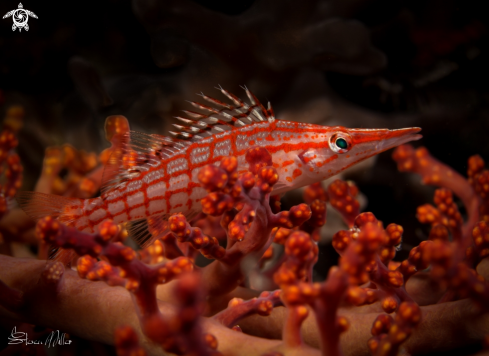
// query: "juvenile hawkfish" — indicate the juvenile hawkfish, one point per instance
point(160, 177)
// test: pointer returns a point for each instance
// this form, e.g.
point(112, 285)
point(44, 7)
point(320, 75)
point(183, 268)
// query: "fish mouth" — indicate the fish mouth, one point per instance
point(384, 139)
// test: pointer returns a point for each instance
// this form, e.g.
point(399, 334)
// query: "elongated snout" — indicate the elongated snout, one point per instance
point(379, 140)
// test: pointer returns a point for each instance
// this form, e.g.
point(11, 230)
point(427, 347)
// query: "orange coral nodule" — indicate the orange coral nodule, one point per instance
point(428, 214)
point(178, 225)
point(53, 271)
point(394, 233)
point(281, 235)
point(235, 302)
point(341, 240)
point(439, 254)
point(156, 329)
point(386, 254)
point(479, 180)
point(438, 232)
point(88, 187)
point(409, 312)
point(481, 184)
point(373, 345)
point(52, 161)
point(247, 180)
point(365, 218)
point(371, 237)
point(85, 264)
point(127, 342)
point(342, 323)
point(394, 279)
point(342, 197)
point(382, 324)
point(174, 268)
point(257, 158)
point(213, 250)
point(183, 232)
point(404, 156)
point(299, 214)
point(389, 304)
point(315, 191)
point(299, 244)
point(216, 203)
point(296, 294)
point(211, 341)
point(108, 230)
point(230, 165)
point(236, 230)
point(48, 229)
point(356, 296)
point(416, 261)
point(267, 177)
point(128, 253)
point(318, 213)
point(116, 125)
point(444, 201)
point(390, 333)
point(475, 165)
point(212, 178)
point(291, 294)
point(480, 234)
point(265, 307)
point(296, 216)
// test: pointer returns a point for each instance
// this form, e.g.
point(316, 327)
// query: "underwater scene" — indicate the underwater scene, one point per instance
point(240, 178)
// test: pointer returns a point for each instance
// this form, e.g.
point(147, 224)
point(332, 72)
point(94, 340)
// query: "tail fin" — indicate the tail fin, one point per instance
point(38, 205)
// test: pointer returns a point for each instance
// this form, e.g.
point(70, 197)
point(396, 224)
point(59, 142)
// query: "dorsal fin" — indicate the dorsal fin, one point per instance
point(136, 152)
point(222, 116)
point(133, 152)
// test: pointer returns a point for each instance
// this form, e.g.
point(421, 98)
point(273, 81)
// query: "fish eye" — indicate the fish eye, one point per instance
point(340, 142)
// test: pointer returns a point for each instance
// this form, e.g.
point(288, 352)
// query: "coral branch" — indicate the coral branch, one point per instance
point(434, 172)
point(127, 342)
point(342, 197)
point(238, 308)
point(390, 333)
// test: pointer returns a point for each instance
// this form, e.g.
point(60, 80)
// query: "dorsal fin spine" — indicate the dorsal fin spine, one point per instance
point(217, 102)
point(231, 97)
point(194, 114)
point(223, 116)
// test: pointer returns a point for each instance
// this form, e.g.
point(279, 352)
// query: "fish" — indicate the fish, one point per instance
point(155, 176)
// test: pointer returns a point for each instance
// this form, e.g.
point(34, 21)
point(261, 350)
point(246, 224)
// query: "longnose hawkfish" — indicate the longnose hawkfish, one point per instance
point(162, 178)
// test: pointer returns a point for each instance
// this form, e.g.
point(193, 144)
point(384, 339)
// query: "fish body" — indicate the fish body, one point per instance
point(157, 176)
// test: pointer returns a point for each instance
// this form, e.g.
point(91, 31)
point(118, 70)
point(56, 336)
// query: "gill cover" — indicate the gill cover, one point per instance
point(314, 159)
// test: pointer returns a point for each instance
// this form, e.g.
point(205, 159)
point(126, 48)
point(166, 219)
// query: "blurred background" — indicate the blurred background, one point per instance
point(356, 63)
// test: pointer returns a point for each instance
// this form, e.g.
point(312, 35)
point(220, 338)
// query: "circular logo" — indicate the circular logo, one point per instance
point(20, 17)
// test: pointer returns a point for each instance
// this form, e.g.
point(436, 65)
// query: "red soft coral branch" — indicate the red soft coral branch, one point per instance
point(140, 279)
point(335, 315)
point(434, 172)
